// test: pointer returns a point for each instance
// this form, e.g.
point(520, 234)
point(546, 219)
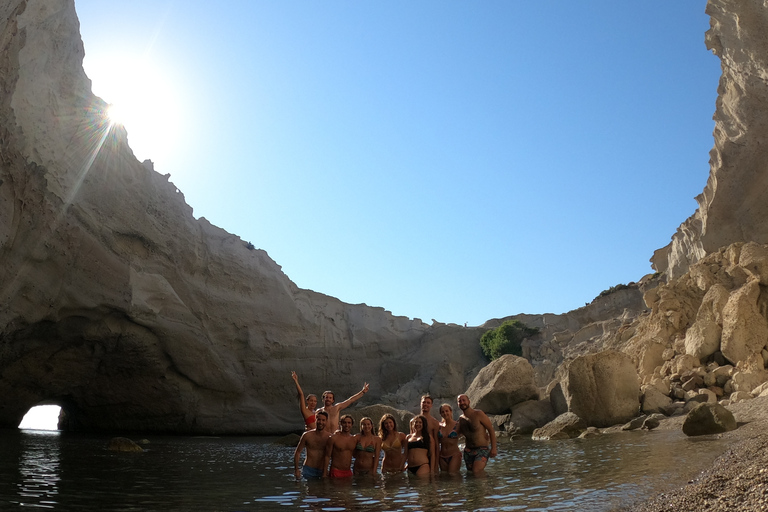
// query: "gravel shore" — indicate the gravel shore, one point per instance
point(737, 480)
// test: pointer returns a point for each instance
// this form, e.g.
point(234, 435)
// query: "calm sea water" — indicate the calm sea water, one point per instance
point(72, 472)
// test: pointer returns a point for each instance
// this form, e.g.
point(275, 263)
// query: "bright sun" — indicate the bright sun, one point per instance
point(143, 99)
point(116, 114)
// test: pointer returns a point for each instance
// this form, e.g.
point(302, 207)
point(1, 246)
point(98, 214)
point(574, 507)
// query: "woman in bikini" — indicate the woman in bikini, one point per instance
point(367, 449)
point(307, 407)
point(420, 460)
point(448, 436)
point(394, 445)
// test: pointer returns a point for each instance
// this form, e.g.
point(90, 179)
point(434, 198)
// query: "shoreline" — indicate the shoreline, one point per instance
point(736, 480)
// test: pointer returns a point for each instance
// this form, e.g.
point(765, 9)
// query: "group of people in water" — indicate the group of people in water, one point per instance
point(431, 446)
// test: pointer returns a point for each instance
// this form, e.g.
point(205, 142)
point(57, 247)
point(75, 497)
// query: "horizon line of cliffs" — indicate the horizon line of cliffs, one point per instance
point(703, 340)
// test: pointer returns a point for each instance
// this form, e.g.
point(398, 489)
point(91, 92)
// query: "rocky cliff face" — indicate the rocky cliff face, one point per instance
point(732, 207)
point(118, 304)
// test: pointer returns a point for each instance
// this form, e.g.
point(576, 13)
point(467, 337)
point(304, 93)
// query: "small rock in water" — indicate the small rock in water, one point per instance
point(123, 444)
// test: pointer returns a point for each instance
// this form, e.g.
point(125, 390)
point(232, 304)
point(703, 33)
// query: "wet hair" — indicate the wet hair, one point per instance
point(424, 432)
point(329, 393)
point(373, 430)
point(382, 430)
point(310, 396)
point(323, 413)
point(347, 416)
point(445, 405)
point(425, 396)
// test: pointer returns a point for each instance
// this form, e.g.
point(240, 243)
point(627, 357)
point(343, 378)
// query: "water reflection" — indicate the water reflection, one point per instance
point(66, 471)
point(39, 463)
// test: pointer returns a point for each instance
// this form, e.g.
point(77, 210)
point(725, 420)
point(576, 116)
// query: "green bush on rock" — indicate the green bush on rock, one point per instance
point(506, 339)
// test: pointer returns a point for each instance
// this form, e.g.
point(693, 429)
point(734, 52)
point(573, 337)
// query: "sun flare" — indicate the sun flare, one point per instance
point(116, 114)
point(142, 98)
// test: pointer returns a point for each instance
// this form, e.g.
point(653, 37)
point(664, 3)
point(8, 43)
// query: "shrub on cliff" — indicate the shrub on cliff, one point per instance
point(506, 339)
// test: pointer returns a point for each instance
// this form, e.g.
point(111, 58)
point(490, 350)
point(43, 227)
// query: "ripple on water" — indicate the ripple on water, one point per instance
point(75, 472)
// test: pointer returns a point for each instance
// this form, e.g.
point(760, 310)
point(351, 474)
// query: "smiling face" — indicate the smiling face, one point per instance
point(426, 404)
point(417, 425)
point(311, 402)
point(320, 421)
point(366, 426)
point(328, 399)
point(446, 412)
point(463, 402)
point(389, 425)
point(346, 424)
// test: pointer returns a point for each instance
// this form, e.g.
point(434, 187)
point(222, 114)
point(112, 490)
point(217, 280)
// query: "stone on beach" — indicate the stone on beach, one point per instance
point(708, 418)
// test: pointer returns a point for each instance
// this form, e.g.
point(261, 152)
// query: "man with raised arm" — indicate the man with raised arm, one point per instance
point(315, 442)
point(475, 426)
point(339, 450)
point(333, 409)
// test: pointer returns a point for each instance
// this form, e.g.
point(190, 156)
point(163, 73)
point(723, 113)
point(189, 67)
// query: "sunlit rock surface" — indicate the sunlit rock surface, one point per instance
point(732, 207)
point(118, 304)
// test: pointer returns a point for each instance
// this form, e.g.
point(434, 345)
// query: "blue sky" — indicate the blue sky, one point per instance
point(451, 160)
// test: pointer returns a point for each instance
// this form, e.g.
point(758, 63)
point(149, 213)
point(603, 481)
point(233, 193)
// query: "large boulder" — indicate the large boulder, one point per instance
point(501, 385)
point(565, 426)
point(745, 329)
point(530, 415)
point(702, 339)
point(603, 389)
point(654, 401)
point(708, 418)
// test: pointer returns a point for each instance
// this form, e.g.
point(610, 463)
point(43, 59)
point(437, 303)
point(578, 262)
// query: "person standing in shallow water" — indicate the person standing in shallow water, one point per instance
point(420, 454)
point(367, 449)
point(475, 426)
point(433, 426)
point(394, 445)
point(339, 450)
point(448, 437)
point(315, 442)
point(307, 407)
point(334, 409)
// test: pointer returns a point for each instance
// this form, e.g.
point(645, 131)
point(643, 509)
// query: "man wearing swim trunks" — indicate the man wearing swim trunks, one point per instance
point(339, 450)
point(475, 426)
point(334, 410)
point(315, 442)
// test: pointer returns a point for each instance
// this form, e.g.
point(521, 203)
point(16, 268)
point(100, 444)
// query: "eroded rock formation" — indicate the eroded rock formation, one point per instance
point(118, 304)
point(732, 207)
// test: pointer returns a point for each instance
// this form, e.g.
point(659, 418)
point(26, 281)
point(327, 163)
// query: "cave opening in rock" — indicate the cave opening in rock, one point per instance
point(41, 417)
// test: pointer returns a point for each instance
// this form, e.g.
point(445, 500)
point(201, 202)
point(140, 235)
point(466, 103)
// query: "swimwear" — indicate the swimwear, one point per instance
point(447, 459)
point(394, 445)
point(415, 469)
point(340, 473)
point(473, 454)
point(452, 435)
point(309, 420)
point(417, 444)
point(370, 448)
point(308, 472)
